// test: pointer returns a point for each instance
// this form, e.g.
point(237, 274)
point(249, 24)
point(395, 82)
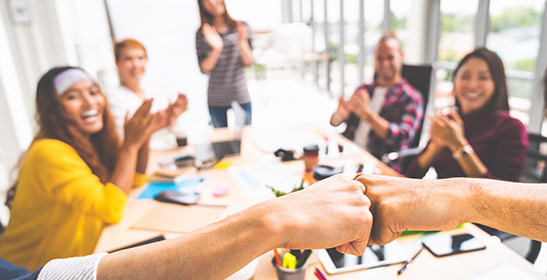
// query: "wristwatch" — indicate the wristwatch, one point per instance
point(463, 152)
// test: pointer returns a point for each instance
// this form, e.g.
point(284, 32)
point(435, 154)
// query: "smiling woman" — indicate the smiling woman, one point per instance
point(482, 139)
point(76, 174)
point(132, 60)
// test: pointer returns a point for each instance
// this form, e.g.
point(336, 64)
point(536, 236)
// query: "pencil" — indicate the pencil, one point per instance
point(277, 258)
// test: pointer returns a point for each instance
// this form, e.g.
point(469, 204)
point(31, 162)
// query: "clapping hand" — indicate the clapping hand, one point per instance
point(359, 103)
point(242, 31)
point(212, 37)
point(447, 130)
point(138, 128)
point(168, 116)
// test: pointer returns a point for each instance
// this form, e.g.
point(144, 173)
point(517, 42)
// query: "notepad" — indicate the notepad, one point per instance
point(178, 219)
point(155, 188)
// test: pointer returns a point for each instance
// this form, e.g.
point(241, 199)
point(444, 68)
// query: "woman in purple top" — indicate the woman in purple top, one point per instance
point(481, 139)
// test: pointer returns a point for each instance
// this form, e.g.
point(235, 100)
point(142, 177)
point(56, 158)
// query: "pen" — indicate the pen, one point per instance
point(319, 274)
point(277, 258)
point(407, 262)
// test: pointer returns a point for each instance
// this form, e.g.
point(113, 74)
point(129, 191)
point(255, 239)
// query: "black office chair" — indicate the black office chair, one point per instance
point(536, 162)
point(419, 76)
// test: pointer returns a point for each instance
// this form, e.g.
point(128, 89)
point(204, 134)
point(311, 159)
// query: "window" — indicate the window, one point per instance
point(400, 12)
point(514, 29)
point(456, 38)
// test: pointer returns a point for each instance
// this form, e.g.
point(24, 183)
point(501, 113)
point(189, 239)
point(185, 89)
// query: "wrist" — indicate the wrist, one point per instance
point(273, 228)
point(337, 119)
point(457, 144)
point(463, 151)
point(130, 147)
point(366, 116)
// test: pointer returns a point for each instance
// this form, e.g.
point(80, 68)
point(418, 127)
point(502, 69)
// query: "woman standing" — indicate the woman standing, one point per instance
point(481, 139)
point(76, 174)
point(224, 48)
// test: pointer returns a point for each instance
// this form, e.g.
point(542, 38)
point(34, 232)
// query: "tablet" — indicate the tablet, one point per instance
point(374, 256)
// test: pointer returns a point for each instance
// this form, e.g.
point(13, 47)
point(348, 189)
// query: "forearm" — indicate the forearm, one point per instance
point(426, 159)
point(213, 252)
point(208, 64)
point(517, 208)
point(336, 119)
point(246, 53)
point(124, 172)
point(142, 158)
point(471, 164)
point(379, 125)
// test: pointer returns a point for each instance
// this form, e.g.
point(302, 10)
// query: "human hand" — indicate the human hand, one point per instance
point(168, 116)
point(212, 37)
point(179, 106)
point(138, 128)
point(342, 111)
point(242, 32)
point(400, 204)
point(359, 102)
point(447, 130)
point(332, 212)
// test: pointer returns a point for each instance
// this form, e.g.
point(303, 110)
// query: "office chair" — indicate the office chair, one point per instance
point(419, 76)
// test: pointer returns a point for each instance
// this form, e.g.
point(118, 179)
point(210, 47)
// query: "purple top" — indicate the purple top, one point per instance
point(500, 141)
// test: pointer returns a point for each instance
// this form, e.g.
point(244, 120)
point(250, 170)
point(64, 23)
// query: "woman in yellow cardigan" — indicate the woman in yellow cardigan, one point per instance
point(76, 175)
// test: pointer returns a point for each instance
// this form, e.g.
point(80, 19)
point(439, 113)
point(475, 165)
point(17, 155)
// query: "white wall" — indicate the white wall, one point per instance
point(167, 29)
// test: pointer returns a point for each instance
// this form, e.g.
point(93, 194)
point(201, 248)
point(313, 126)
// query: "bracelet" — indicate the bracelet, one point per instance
point(464, 151)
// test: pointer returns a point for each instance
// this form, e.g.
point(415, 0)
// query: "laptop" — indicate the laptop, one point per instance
point(219, 150)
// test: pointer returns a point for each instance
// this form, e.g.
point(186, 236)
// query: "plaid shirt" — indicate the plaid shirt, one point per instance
point(404, 109)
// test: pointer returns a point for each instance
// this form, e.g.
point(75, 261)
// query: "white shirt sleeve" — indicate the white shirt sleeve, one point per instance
point(79, 268)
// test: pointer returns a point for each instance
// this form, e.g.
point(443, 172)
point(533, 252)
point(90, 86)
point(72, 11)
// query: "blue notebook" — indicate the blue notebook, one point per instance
point(155, 188)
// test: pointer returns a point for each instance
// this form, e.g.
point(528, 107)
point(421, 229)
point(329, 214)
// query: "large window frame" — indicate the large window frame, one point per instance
point(430, 47)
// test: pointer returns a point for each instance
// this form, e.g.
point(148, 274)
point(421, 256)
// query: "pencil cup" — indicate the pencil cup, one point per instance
point(290, 274)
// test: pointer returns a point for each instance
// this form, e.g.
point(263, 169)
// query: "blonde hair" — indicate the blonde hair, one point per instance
point(128, 44)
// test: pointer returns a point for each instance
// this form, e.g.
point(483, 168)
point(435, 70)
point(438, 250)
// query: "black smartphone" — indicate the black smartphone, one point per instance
point(442, 245)
point(178, 197)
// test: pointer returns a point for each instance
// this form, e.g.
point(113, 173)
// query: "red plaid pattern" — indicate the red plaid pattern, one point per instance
point(404, 109)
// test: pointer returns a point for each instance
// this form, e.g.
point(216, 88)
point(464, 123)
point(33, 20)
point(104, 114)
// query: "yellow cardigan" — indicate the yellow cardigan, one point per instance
point(60, 207)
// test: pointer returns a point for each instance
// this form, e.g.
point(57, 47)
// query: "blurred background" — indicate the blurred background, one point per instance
point(307, 53)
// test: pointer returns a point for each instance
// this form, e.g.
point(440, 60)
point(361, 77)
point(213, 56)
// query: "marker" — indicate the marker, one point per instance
point(407, 262)
point(303, 258)
point(289, 261)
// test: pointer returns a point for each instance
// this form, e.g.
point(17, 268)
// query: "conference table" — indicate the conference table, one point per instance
point(147, 218)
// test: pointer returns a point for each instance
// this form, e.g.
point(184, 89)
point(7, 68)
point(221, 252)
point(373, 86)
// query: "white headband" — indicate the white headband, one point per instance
point(67, 78)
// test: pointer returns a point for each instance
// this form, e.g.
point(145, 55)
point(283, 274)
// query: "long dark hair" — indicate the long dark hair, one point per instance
point(499, 102)
point(206, 17)
point(100, 151)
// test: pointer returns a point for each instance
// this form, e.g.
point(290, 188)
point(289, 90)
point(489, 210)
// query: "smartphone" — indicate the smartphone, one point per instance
point(178, 197)
point(442, 245)
point(374, 256)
